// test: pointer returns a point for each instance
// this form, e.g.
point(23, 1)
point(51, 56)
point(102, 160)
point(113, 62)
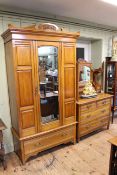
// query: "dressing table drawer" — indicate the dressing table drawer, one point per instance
point(88, 107)
point(102, 103)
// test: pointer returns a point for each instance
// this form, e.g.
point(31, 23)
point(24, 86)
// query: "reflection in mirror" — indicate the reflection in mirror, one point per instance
point(85, 73)
point(48, 76)
point(110, 70)
point(110, 78)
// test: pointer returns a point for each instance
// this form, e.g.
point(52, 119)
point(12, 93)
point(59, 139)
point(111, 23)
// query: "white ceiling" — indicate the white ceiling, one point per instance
point(95, 11)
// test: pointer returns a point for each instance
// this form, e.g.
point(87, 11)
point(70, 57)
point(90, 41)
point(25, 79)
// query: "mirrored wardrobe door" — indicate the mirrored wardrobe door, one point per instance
point(48, 74)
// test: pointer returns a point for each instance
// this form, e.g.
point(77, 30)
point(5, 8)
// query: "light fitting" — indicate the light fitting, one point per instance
point(112, 2)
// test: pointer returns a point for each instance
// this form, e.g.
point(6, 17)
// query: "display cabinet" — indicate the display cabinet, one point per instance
point(111, 82)
point(113, 156)
point(41, 70)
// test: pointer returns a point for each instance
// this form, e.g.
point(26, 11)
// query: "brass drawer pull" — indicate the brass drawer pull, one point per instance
point(87, 127)
point(38, 144)
point(89, 106)
point(104, 102)
point(64, 134)
point(103, 111)
point(88, 116)
point(101, 121)
point(104, 120)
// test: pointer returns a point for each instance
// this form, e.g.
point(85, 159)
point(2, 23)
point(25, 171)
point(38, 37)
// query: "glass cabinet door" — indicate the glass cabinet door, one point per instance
point(115, 100)
point(110, 81)
point(110, 71)
point(110, 85)
point(48, 83)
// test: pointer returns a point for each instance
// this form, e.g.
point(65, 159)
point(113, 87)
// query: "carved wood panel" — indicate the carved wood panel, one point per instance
point(27, 118)
point(69, 54)
point(70, 109)
point(26, 86)
point(69, 82)
point(24, 56)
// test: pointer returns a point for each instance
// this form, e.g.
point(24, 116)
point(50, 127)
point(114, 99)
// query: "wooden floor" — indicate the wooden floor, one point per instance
point(89, 157)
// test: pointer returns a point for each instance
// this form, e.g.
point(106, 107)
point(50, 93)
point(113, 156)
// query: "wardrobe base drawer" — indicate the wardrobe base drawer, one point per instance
point(49, 140)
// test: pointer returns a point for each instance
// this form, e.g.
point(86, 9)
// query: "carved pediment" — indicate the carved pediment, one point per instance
point(42, 27)
point(48, 27)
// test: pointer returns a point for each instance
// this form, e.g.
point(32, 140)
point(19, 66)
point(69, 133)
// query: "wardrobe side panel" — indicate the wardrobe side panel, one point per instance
point(11, 85)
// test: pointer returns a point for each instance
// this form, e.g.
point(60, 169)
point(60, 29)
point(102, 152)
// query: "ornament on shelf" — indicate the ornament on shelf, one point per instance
point(89, 91)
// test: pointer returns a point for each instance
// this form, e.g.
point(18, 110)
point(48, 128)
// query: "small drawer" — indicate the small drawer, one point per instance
point(103, 121)
point(105, 111)
point(89, 127)
point(88, 107)
point(85, 128)
point(103, 103)
point(86, 117)
point(89, 117)
point(49, 140)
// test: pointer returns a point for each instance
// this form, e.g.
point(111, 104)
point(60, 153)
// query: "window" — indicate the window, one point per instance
point(80, 53)
point(83, 50)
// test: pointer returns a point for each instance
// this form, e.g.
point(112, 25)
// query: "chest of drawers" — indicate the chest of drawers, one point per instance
point(93, 114)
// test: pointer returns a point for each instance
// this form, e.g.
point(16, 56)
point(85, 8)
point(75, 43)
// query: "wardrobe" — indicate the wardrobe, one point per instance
point(41, 71)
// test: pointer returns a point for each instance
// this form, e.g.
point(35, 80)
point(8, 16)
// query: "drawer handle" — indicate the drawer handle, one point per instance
point(103, 111)
point(87, 127)
point(88, 116)
point(103, 120)
point(104, 102)
point(38, 144)
point(89, 106)
point(63, 134)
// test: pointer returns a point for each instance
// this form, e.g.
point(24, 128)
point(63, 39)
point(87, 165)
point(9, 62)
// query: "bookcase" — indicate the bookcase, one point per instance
point(111, 82)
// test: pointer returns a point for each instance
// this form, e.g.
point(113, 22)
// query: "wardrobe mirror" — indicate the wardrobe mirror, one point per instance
point(48, 83)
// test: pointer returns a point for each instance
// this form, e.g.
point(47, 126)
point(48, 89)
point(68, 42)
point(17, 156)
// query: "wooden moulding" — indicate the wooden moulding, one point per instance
point(42, 133)
point(47, 30)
